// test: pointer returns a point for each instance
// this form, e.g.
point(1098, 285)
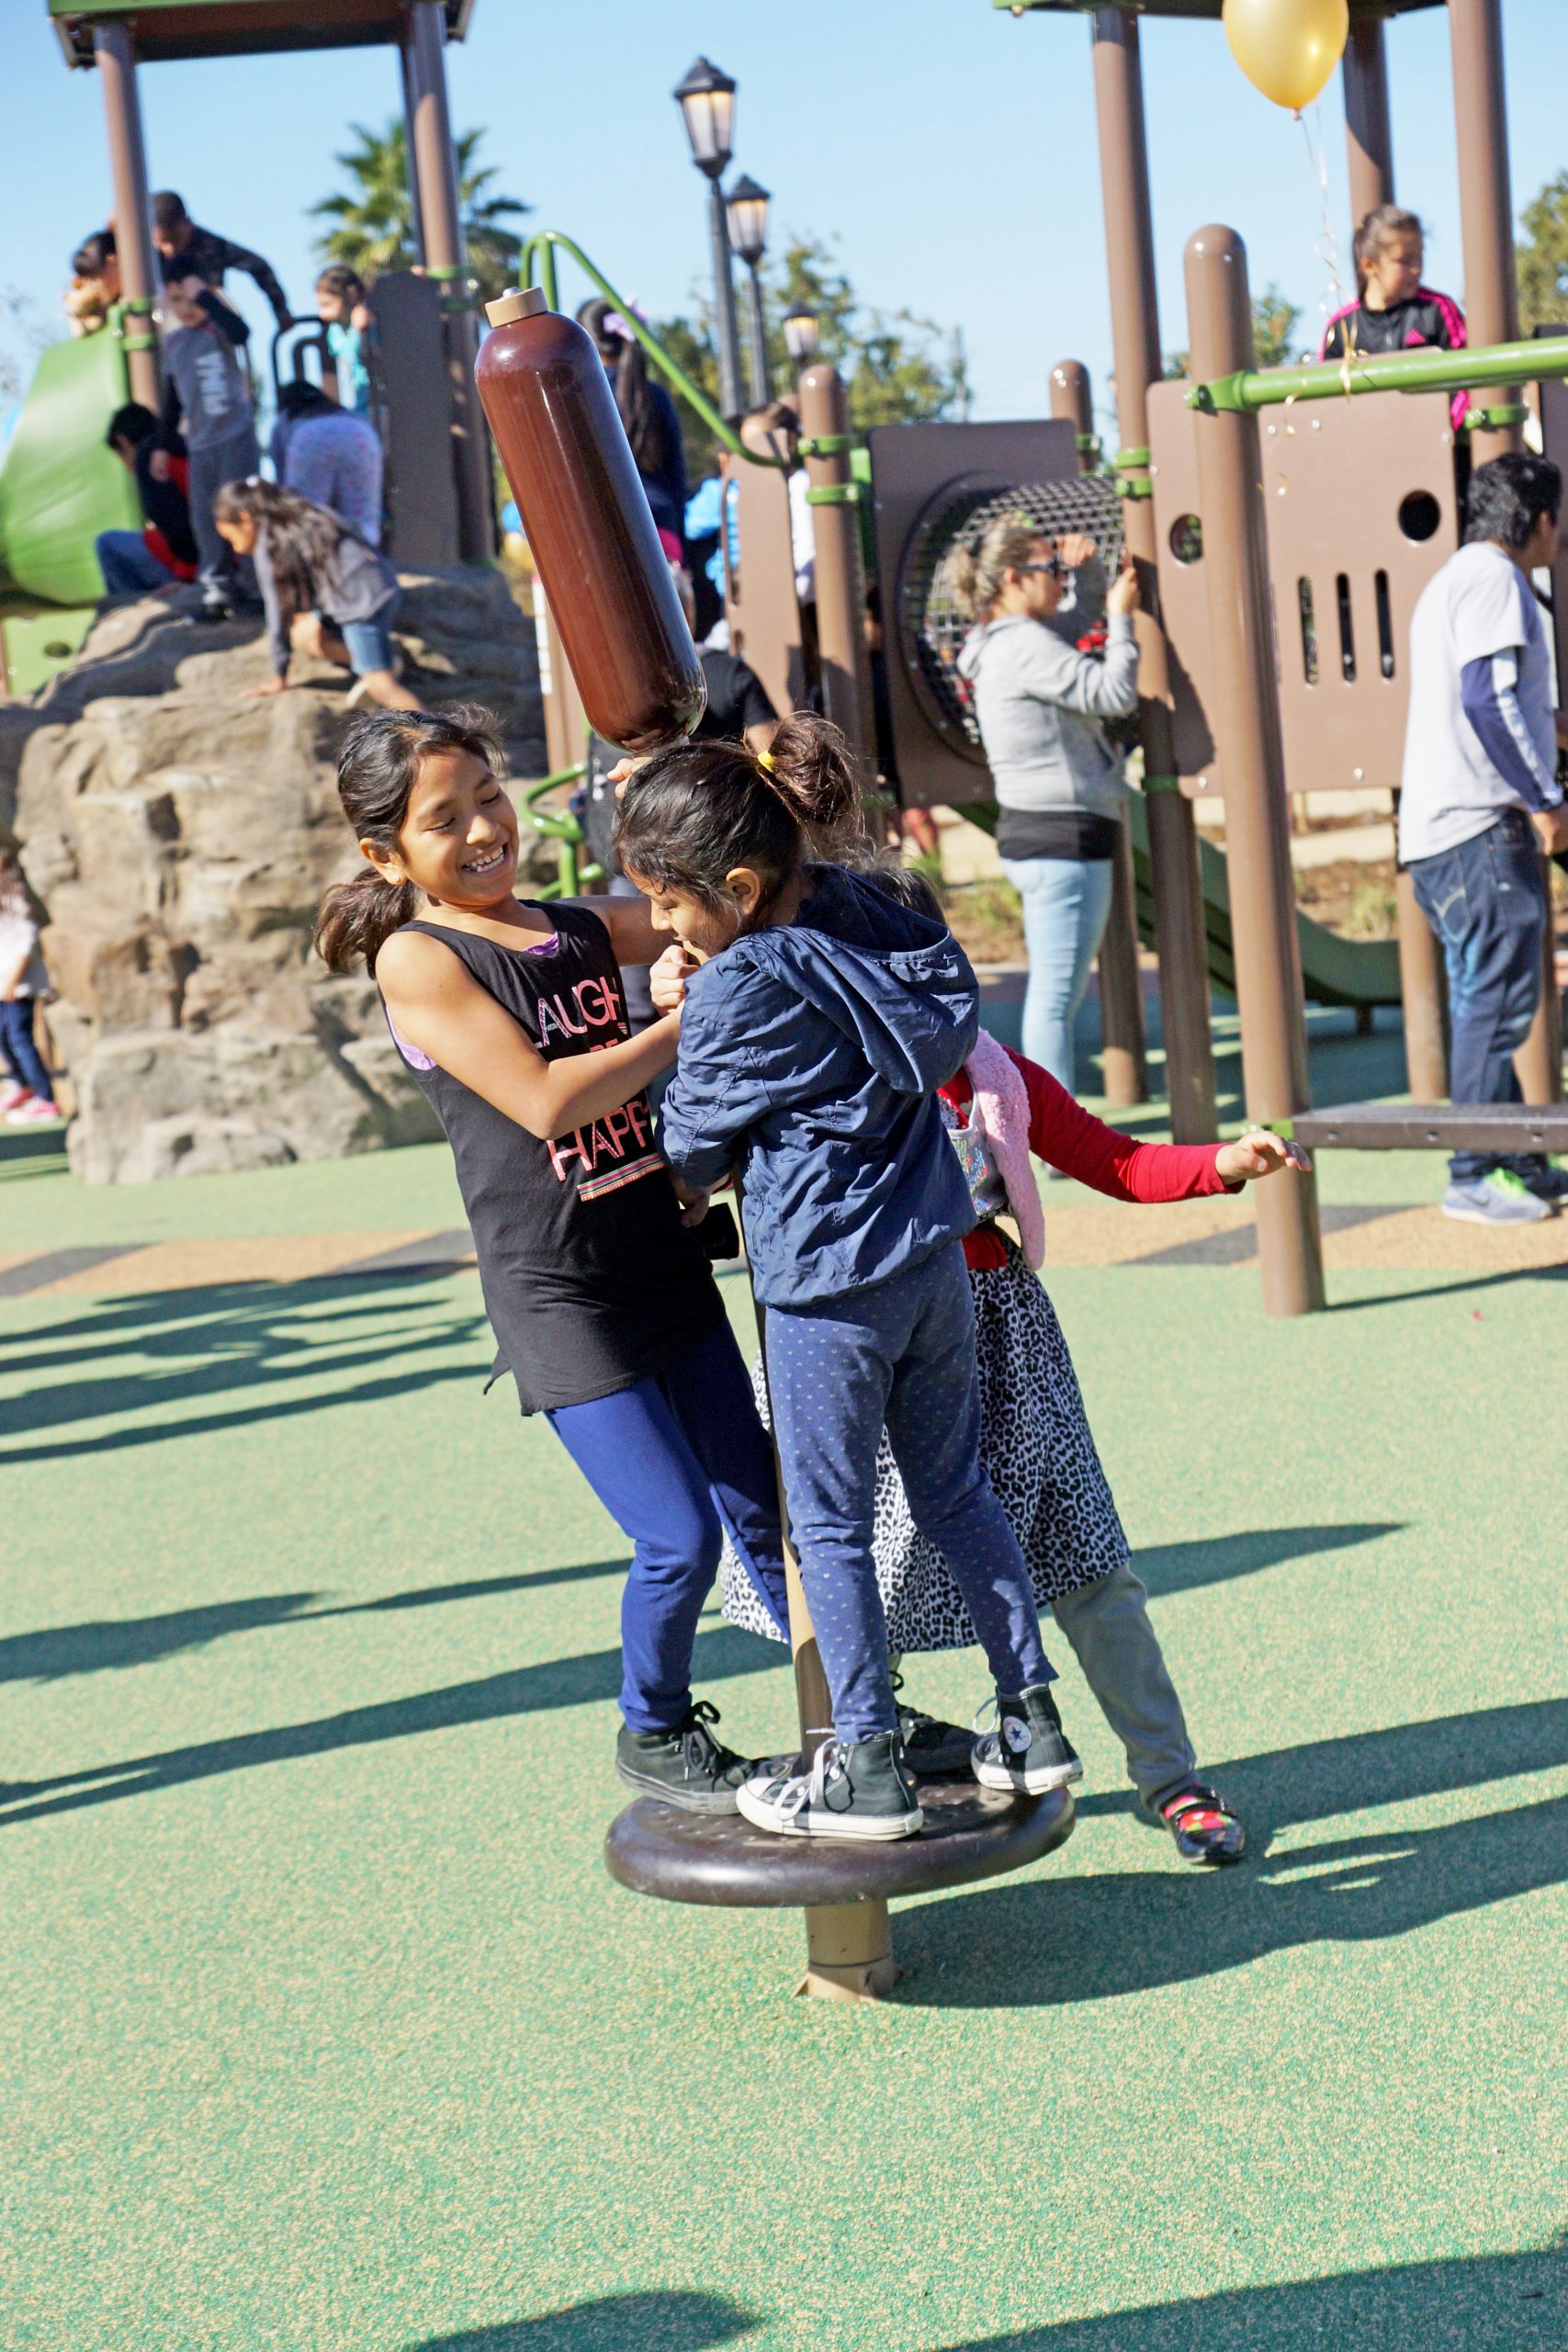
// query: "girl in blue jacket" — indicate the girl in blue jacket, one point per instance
point(819, 1019)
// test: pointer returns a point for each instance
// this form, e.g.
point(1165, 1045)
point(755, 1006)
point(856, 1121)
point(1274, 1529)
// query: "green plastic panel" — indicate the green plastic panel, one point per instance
point(35, 645)
point(60, 487)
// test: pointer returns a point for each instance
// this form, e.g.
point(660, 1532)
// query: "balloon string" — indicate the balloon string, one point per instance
point(1325, 246)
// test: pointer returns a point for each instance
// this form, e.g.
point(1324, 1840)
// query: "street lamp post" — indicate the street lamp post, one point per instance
point(747, 205)
point(706, 100)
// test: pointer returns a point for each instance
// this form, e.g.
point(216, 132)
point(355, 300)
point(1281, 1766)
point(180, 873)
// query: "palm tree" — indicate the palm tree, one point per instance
point(372, 221)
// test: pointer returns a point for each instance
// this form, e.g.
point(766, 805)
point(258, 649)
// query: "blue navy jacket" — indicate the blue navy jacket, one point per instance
point(810, 1056)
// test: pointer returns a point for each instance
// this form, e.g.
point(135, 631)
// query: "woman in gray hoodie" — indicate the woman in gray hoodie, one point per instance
point(1039, 703)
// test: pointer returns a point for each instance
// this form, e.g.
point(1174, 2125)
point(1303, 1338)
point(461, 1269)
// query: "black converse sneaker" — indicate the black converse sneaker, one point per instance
point(933, 1750)
point(1028, 1749)
point(855, 1789)
point(686, 1765)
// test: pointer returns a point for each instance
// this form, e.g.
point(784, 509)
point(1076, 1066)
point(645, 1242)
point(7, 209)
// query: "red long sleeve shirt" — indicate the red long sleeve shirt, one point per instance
point(1071, 1138)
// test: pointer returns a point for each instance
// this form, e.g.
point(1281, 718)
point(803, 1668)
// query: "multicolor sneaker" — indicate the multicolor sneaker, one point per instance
point(1028, 1750)
point(686, 1766)
point(12, 1095)
point(1205, 1834)
point(933, 1750)
point(35, 1112)
point(855, 1789)
point(1499, 1199)
point(1542, 1178)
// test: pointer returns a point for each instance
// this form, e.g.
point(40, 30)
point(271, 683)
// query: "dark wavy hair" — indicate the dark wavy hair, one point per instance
point(300, 537)
point(377, 771)
point(646, 420)
point(1509, 494)
point(691, 815)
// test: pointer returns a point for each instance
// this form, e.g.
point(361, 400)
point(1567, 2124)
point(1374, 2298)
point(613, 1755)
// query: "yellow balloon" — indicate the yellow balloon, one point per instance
point(1288, 48)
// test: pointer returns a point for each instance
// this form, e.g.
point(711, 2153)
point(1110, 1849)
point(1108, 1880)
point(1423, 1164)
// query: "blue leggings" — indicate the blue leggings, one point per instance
point(676, 1461)
point(901, 1353)
point(17, 1045)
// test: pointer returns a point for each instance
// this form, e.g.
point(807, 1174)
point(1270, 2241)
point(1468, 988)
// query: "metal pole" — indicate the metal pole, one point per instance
point(434, 164)
point(1369, 139)
point(1492, 305)
point(1120, 987)
point(1490, 298)
point(1173, 842)
point(727, 333)
point(114, 46)
point(839, 573)
point(757, 348)
point(410, 89)
point(1246, 728)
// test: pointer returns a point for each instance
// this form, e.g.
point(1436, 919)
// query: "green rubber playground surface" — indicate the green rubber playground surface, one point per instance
point(326, 2031)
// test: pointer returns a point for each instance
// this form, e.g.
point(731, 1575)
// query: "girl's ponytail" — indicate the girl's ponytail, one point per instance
point(809, 764)
point(359, 917)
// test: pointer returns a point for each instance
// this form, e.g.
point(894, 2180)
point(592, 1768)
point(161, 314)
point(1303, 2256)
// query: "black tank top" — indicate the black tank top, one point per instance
point(590, 1281)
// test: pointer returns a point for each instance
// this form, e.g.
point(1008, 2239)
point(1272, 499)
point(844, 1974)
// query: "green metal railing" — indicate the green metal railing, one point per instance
point(560, 825)
point(537, 267)
point(1251, 389)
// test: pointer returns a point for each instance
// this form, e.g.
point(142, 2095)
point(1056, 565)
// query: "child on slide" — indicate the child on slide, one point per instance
point(1035, 1443)
point(511, 1017)
point(819, 1017)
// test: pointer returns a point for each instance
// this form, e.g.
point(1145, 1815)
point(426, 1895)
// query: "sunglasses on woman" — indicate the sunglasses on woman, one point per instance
point(1053, 566)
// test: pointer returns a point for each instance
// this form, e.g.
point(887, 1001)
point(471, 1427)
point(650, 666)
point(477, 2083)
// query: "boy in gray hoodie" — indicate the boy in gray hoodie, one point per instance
point(207, 398)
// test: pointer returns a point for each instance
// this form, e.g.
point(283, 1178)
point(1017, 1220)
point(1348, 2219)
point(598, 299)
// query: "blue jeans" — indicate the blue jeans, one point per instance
point(900, 1353)
point(17, 1045)
point(1065, 903)
point(676, 1461)
point(1485, 901)
point(128, 564)
point(369, 643)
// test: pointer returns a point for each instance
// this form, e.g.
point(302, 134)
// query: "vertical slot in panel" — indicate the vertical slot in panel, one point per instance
point(1309, 631)
point(1346, 629)
point(1385, 625)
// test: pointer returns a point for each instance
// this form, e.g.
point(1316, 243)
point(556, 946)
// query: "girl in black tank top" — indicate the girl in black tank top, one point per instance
point(511, 1017)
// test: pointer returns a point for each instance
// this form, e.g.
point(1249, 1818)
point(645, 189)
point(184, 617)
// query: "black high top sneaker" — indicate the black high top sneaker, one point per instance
point(855, 1789)
point(933, 1750)
point(686, 1765)
point(1028, 1750)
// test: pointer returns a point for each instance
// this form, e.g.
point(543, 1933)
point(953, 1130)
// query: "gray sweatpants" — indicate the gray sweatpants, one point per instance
point(234, 459)
point(1108, 1624)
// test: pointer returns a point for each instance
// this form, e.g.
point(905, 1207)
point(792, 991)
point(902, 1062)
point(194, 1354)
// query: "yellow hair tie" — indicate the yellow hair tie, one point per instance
point(765, 760)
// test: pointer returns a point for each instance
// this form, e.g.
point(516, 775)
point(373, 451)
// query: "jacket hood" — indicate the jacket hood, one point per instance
point(894, 982)
point(974, 644)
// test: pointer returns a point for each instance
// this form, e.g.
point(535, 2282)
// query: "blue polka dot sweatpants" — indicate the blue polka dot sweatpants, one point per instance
point(902, 1353)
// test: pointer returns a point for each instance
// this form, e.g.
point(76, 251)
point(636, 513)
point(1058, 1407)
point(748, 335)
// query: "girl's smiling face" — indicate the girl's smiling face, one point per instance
point(458, 839)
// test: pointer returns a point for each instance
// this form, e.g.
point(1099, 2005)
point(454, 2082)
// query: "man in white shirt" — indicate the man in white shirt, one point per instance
point(1479, 800)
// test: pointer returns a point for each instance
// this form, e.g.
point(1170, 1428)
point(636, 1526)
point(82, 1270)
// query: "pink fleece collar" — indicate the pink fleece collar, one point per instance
point(1000, 1110)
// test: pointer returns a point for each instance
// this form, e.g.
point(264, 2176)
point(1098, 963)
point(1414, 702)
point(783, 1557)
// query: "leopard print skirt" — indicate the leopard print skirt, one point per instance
point(1039, 1453)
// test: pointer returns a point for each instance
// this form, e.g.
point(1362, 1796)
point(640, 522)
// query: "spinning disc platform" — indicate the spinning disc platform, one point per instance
point(970, 1833)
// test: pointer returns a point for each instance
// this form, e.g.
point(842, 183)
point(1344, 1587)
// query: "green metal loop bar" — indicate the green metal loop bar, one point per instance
point(539, 254)
point(1087, 444)
point(1135, 486)
point(1162, 784)
point(136, 306)
point(442, 270)
point(1482, 420)
point(1473, 369)
point(836, 493)
point(1133, 459)
point(829, 445)
point(140, 342)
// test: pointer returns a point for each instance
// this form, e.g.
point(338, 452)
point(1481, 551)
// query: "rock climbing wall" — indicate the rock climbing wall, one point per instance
point(181, 837)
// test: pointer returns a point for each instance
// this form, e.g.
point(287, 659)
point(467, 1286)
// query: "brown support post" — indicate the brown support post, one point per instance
point(1421, 991)
point(839, 573)
point(410, 88)
point(434, 169)
point(1486, 212)
point(1120, 987)
point(1173, 842)
point(1369, 140)
point(114, 46)
point(1246, 728)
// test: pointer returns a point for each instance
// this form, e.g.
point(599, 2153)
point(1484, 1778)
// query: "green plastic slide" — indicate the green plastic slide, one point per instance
point(59, 487)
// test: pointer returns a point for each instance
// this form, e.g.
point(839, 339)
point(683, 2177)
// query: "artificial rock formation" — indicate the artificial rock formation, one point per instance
point(181, 838)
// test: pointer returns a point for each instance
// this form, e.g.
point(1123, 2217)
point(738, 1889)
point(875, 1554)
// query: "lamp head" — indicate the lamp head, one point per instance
point(802, 334)
point(747, 208)
point(706, 100)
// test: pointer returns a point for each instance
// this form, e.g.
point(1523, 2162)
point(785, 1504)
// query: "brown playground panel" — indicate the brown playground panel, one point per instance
point(759, 591)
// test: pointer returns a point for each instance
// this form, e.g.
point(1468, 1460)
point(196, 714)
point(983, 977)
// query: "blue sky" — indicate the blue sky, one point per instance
point(947, 147)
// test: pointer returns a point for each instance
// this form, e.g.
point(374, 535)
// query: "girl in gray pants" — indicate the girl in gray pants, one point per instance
point(1035, 1443)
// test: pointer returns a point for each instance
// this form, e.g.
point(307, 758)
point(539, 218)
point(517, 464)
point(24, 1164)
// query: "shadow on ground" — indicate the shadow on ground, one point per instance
point(232, 1345)
point(1052, 1940)
point(1214, 1559)
point(105, 1643)
point(1517, 2300)
point(655, 2322)
point(591, 1680)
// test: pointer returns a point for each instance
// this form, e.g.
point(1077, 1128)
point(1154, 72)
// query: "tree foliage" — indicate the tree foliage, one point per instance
point(1274, 323)
point(372, 219)
point(899, 367)
point(1542, 257)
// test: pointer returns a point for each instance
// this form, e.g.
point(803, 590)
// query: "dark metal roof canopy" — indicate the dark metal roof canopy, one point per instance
point(167, 30)
point(1211, 10)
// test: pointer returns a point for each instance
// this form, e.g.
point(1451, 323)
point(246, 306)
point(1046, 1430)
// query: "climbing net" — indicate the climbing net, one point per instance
point(931, 627)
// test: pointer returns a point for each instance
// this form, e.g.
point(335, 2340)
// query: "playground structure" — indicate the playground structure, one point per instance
point(60, 486)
